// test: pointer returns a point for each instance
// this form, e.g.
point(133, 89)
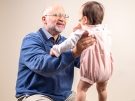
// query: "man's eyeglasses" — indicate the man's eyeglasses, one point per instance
point(58, 15)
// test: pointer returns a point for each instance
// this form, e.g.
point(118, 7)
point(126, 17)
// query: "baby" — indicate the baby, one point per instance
point(96, 63)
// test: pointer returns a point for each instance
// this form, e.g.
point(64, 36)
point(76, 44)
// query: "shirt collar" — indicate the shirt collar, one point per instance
point(48, 35)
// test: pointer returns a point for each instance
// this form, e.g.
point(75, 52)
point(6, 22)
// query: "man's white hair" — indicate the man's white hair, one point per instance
point(49, 9)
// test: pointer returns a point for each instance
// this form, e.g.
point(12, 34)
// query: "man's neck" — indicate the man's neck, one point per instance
point(55, 35)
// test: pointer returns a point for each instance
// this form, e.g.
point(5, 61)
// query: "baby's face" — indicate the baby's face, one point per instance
point(82, 19)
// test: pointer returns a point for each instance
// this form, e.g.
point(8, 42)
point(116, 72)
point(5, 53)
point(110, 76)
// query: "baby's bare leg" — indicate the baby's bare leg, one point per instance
point(81, 90)
point(101, 89)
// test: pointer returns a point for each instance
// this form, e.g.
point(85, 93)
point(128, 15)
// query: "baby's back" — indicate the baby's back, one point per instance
point(96, 60)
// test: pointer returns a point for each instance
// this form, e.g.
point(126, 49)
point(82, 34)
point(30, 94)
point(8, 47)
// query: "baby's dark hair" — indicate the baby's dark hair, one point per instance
point(94, 11)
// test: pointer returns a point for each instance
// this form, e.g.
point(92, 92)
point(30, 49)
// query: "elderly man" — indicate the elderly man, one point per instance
point(42, 77)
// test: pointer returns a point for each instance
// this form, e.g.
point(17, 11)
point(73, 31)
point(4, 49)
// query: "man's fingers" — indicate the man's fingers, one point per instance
point(88, 42)
point(85, 34)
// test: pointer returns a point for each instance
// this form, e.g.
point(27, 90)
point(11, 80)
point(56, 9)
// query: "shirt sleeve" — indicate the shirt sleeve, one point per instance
point(69, 43)
point(77, 62)
point(37, 59)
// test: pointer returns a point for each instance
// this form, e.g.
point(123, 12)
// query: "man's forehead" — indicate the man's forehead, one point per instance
point(54, 9)
point(58, 9)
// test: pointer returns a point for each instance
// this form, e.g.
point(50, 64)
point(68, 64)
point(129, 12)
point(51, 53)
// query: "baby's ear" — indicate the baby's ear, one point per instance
point(84, 20)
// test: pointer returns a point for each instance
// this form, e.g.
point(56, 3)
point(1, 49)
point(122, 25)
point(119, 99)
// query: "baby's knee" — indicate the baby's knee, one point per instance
point(101, 89)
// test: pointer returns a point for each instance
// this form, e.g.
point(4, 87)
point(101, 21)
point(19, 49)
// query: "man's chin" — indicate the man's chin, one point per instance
point(60, 29)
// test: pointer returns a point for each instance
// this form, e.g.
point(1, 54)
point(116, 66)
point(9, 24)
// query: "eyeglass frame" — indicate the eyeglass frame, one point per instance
point(58, 15)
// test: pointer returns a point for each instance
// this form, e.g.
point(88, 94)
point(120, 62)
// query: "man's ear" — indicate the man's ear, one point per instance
point(84, 20)
point(44, 19)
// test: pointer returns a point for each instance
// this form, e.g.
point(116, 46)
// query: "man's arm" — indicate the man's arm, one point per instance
point(37, 59)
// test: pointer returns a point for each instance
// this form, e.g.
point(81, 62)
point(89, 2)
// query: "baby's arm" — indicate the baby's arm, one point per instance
point(69, 43)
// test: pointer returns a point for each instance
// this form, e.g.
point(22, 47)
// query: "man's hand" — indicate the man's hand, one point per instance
point(84, 42)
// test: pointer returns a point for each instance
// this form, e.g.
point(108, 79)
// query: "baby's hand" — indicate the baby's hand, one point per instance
point(52, 52)
point(77, 27)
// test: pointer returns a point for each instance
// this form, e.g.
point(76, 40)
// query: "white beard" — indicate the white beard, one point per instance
point(58, 29)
